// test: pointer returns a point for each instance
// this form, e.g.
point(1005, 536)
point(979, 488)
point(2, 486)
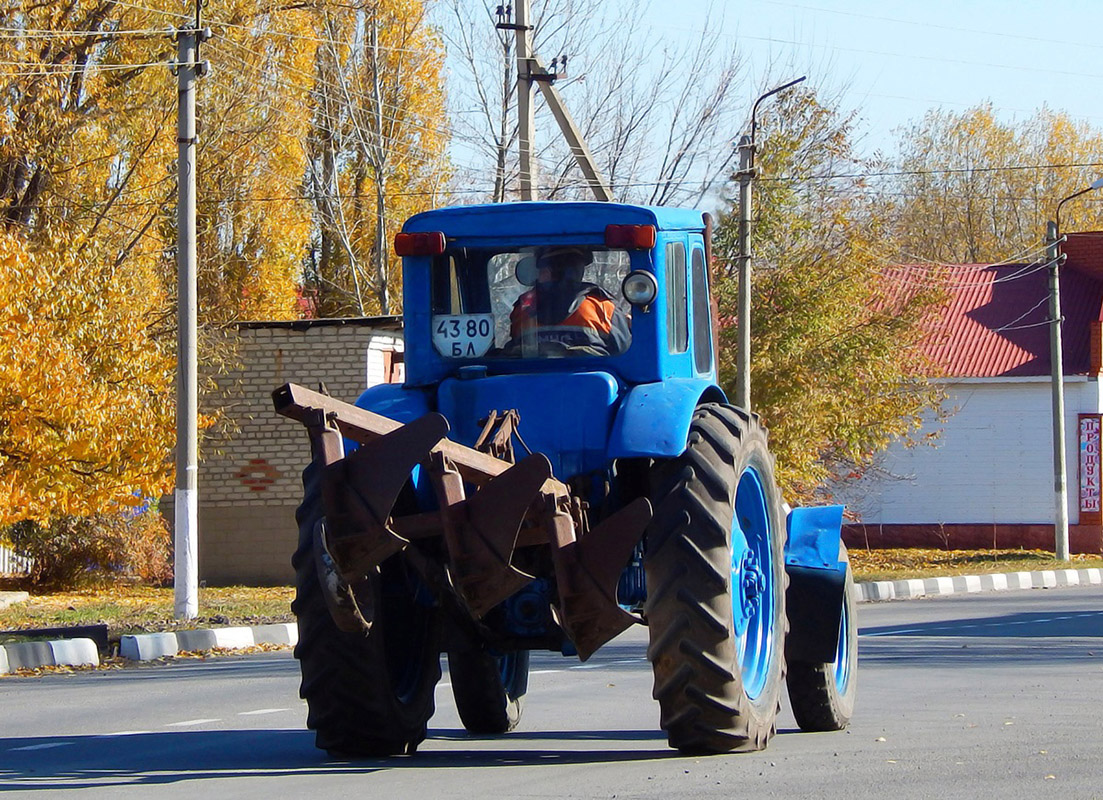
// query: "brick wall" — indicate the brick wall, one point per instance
point(249, 481)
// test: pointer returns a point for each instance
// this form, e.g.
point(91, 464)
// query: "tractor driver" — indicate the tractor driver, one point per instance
point(563, 311)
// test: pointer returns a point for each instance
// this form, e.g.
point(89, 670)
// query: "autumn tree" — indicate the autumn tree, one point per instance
point(87, 219)
point(975, 189)
point(87, 408)
point(254, 220)
point(837, 372)
point(376, 148)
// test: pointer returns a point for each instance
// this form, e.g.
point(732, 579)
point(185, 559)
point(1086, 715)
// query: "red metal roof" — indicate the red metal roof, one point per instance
point(994, 322)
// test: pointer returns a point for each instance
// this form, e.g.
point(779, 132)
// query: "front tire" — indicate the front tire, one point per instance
point(716, 587)
point(822, 695)
point(366, 695)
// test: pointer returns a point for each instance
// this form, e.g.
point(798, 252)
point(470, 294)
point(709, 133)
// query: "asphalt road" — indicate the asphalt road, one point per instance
point(979, 696)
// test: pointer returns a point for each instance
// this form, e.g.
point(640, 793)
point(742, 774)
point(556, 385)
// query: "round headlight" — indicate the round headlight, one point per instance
point(640, 288)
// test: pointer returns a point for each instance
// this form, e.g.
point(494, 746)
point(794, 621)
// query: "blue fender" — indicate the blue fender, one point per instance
point(817, 582)
point(653, 419)
point(395, 401)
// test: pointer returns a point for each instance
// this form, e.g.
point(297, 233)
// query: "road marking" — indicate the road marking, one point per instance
point(189, 722)
point(609, 663)
point(46, 746)
point(123, 733)
point(260, 711)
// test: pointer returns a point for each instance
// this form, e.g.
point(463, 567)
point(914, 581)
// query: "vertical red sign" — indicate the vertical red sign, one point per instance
point(1091, 512)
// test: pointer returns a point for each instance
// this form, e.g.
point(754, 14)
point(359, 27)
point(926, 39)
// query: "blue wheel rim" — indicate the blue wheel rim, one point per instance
point(842, 650)
point(507, 668)
point(754, 590)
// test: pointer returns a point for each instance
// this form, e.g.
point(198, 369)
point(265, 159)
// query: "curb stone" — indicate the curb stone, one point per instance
point(150, 646)
point(141, 647)
point(880, 591)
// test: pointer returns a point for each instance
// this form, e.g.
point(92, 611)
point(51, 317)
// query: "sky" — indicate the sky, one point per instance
point(893, 61)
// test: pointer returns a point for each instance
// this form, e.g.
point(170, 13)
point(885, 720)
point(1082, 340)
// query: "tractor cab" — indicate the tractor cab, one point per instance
point(565, 287)
point(552, 308)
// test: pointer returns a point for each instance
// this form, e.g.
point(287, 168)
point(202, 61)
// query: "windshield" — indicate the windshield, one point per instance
point(549, 301)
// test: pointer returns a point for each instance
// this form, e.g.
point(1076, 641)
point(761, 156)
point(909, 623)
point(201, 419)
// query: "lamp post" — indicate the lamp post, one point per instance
point(1057, 370)
point(745, 175)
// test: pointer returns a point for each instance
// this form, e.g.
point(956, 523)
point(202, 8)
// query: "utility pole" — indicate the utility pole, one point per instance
point(1057, 376)
point(1057, 373)
point(525, 118)
point(745, 176)
point(186, 563)
point(531, 71)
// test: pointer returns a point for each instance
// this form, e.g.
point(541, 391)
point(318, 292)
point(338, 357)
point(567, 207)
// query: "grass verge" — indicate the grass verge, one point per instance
point(127, 609)
point(902, 564)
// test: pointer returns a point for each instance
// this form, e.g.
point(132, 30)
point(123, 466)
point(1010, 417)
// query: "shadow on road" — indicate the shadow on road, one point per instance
point(1025, 638)
point(152, 759)
point(1006, 626)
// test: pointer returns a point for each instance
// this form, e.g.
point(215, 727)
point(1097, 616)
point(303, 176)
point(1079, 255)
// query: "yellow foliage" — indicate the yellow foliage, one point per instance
point(87, 409)
point(87, 209)
point(974, 189)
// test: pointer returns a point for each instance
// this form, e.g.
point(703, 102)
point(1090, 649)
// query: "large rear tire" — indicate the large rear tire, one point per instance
point(822, 695)
point(716, 587)
point(366, 695)
point(488, 689)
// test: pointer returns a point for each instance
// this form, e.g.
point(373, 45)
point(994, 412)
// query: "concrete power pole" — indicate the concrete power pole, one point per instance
point(531, 71)
point(745, 176)
point(525, 119)
point(1057, 375)
point(186, 568)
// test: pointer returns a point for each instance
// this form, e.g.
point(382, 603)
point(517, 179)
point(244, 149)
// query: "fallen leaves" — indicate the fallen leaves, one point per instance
point(914, 562)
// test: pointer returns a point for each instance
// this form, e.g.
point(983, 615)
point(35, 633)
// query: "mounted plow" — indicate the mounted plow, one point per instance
point(486, 510)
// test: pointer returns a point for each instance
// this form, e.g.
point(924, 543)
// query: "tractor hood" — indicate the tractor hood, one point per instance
point(565, 417)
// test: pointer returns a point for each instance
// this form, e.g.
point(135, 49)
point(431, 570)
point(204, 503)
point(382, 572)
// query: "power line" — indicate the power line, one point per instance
point(47, 33)
point(913, 172)
point(72, 69)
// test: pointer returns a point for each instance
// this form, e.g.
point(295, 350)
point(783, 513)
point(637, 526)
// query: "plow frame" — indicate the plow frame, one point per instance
point(488, 508)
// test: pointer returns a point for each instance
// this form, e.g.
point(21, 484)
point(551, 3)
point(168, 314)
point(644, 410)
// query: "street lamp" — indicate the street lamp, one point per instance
point(745, 176)
point(1057, 370)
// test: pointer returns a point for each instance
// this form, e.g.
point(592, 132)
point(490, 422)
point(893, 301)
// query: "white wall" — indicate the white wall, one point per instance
point(992, 464)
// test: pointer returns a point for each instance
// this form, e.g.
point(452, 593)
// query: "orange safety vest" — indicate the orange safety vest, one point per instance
point(593, 311)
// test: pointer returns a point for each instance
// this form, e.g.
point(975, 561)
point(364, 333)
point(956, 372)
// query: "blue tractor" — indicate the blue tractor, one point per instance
point(559, 465)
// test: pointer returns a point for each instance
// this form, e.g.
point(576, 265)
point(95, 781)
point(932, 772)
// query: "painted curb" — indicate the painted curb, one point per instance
point(60, 653)
point(75, 653)
point(149, 646)
point(881, 591)
point(141, 647)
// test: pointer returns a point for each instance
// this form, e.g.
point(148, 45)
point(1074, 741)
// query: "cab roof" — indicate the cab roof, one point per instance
point(549, 219)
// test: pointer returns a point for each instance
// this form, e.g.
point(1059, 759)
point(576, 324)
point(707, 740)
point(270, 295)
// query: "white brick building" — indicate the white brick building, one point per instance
point(987, 481)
